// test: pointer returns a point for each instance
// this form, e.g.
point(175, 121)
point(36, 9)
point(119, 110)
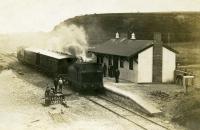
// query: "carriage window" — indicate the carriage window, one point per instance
point(61, 62)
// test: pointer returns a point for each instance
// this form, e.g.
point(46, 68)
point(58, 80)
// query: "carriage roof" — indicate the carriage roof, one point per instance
point(49, 53)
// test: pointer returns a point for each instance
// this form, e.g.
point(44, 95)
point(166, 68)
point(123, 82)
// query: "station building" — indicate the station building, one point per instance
point(140, 61)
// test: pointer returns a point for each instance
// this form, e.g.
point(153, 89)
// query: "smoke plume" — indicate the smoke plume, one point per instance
point(69, 39)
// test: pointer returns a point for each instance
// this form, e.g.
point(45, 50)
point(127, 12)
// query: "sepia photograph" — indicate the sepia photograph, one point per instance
point(99, 65)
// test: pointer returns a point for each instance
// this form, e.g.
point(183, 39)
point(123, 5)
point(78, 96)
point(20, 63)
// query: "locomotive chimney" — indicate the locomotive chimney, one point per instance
point(157, 58)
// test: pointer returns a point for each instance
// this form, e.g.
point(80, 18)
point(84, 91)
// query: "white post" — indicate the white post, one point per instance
point(184, 82)
point(184, 85)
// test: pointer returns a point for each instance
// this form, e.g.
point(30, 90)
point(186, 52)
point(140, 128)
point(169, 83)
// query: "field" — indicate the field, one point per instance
point(188, 58)
point(185, 108)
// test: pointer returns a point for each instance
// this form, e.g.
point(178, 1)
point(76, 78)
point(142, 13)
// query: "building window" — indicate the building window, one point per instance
point(109, 60)
point(131, 63)
point(121, 62)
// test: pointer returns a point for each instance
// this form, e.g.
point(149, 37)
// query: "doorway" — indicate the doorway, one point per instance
point(115, 62)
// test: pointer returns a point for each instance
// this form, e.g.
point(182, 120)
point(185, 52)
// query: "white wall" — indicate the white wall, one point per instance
point(145, 66)
point(168, 65)
point(126, 73)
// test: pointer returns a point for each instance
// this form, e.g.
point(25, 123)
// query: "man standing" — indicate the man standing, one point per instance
point(60, 84)
point(47, 96)
point(117, 73)
point(47, 91)
point(104, 70)
point(56, 84)
point(109, 70)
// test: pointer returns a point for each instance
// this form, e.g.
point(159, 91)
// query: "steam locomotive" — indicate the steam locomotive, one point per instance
point(80, 75)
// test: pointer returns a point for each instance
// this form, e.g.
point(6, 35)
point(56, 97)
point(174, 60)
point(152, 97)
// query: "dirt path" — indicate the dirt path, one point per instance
point(21, 93)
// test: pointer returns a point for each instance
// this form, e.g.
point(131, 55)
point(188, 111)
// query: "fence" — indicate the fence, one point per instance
point(184, 78)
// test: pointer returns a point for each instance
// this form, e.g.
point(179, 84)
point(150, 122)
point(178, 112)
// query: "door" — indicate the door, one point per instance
point(115, 62)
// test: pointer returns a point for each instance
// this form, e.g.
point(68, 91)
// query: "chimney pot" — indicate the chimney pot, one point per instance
point(133, 36)
point(117, 35)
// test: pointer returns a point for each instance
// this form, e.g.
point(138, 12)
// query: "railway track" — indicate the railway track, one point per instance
point(131, 116)
point(8, 56)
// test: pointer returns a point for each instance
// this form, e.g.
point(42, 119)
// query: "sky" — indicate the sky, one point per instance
point(43, 15)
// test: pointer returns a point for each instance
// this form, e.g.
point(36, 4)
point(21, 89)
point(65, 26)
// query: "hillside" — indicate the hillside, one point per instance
point(175, 27)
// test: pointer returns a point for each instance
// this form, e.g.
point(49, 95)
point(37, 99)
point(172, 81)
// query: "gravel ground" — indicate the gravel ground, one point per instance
point(21, 108)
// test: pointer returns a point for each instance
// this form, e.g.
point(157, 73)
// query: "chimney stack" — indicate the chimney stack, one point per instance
point(117, 35)
point(157, 37)
point(157, 58)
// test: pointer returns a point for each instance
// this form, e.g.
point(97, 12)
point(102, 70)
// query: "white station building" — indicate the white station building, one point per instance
point(140, 61)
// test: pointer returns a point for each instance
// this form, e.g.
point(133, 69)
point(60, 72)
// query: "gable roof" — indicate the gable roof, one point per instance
point(49, 53)
point(122, 47)
point(171, 49)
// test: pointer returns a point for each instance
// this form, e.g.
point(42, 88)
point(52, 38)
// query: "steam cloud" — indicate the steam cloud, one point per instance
point(69, 39)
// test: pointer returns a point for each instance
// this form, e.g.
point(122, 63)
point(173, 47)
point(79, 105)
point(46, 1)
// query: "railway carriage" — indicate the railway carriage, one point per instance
point(52, 63)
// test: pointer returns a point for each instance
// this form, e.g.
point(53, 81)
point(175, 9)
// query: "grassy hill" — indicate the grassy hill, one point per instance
point(175, 27)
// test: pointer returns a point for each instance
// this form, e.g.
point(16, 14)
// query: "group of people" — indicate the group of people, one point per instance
point(58, 85)
point(112, 71)
point(54, 94)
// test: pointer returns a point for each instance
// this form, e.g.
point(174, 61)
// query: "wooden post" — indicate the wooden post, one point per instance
point(184, 82)
point(184, 85)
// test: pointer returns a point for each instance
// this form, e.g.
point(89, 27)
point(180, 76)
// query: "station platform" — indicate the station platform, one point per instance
point(137, 93)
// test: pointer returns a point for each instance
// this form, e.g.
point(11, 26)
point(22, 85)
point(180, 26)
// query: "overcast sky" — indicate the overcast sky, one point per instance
point(43, 15)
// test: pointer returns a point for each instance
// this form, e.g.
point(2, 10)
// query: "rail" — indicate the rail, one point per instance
point(147, 124)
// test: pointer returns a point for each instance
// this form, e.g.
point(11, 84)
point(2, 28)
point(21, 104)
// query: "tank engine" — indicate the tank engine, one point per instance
point(85, 75)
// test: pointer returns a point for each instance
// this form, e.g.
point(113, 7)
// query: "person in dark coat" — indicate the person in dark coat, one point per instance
point(104, 70)
point(109, 70)
point(47, 96)
point(47, 91)
point(117, 73)
point(56, 84)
